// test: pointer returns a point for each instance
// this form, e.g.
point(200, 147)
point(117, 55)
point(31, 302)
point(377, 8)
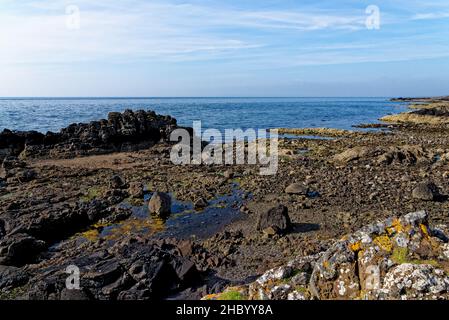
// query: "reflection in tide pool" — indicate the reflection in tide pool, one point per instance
point(184, 221)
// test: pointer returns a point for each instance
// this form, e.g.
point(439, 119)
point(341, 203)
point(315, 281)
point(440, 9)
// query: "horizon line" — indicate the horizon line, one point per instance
point(188, 97)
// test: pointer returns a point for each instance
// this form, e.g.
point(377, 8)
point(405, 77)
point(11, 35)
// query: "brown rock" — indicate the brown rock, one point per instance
point(297, 188)
point(275, 218)
point(160, 204)
point(427, 191)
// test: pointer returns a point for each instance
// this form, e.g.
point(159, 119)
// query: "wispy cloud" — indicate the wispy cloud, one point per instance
point(137, 29)
point(227, 37)
point(431, 16)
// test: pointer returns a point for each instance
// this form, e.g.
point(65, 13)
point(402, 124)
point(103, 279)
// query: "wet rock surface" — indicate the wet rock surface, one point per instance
point(160, 204)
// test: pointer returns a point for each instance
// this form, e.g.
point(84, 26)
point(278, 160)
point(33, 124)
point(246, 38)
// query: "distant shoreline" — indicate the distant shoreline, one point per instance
point(193, 97)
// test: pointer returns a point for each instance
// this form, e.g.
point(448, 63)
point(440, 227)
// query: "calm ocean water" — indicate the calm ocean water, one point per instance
point(52, 114)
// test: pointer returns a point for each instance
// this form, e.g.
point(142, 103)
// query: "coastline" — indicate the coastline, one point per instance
point(59, 209)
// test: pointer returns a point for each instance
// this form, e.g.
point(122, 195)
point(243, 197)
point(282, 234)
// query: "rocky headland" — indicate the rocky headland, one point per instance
point(357, 215)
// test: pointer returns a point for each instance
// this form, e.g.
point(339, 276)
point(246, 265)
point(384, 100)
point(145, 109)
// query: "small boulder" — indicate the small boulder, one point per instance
point(352, 154)
point(228, 174)
point(117, 182)
point(297, 188)
point(160, 204)
point(426, 191)
point(275, 219)
point(26, 175)
point(200, 203)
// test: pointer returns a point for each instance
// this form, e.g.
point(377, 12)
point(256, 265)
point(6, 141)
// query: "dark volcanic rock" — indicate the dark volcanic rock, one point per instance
point(127, 131)
point(200, 203)
point(12, 277)
point(19, 249)
point(117, 182)
point(2, 229)
point(275, 219)
point(131, 271)
point(12, 143)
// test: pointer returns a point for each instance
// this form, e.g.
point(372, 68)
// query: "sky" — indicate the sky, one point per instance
point(223, 48)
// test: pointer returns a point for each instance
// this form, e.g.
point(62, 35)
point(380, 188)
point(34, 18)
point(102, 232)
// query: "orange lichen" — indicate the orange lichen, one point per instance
point(213, 296)
point(355, 247)
point(396, 226)
point(384, 242)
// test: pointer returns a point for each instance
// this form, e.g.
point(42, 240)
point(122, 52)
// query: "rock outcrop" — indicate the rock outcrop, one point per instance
point(407, 154)
point(127, 131)
point(400, 258)
point(127, 271)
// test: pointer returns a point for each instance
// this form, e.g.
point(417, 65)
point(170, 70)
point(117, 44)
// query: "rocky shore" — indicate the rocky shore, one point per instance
point(106, 198)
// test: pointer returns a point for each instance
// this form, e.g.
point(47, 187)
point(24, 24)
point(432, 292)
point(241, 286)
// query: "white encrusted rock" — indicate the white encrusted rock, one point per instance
point(416, 280)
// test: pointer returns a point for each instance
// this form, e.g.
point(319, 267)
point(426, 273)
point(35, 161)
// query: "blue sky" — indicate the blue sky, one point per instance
point(223, 48)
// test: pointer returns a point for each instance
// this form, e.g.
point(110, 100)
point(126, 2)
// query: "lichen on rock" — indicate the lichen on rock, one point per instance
point(385, 260)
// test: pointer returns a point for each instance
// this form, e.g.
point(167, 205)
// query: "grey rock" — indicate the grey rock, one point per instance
point(425, 191)
point(74, 295)
point(297, 188)
point(160, 204)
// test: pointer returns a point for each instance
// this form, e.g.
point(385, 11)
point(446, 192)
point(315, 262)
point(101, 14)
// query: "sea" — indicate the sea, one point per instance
point(52, 114)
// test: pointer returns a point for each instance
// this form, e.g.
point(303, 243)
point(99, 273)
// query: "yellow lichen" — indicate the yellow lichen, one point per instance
point(384, 242)
point(91, 235)
point(355, 247)
point(424, 230)
point(396, 226)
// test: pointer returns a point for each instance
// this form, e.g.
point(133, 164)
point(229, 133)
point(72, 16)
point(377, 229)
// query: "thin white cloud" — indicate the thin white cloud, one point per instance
point(431, 16)
point(36, 31)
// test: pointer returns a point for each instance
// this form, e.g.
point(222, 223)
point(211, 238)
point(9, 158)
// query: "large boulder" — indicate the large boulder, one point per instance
point(160, 204)
point(404, 155)
point(274, 220)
